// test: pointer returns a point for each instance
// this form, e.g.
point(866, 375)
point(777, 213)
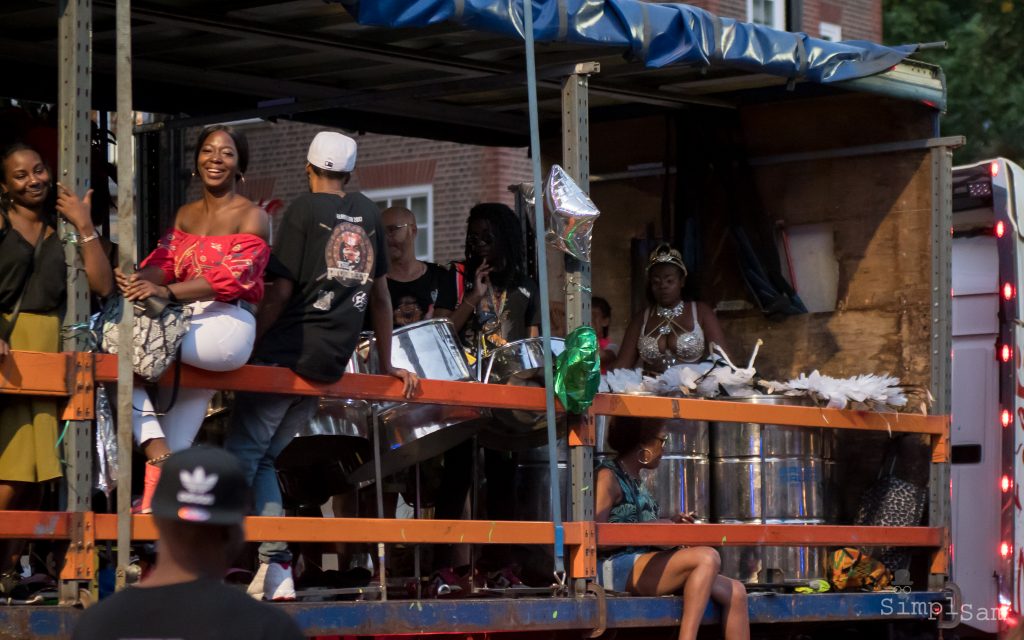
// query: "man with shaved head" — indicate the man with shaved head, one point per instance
point(413, 283)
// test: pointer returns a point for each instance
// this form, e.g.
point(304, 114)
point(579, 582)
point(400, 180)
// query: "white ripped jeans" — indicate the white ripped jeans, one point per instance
point(220, 338)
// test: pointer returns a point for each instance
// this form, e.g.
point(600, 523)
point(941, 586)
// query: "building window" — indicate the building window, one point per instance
point(771, 13)
point(830, 31)
point(418, 199)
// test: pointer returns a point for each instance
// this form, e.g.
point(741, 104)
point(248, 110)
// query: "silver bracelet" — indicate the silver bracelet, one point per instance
point(86, 239)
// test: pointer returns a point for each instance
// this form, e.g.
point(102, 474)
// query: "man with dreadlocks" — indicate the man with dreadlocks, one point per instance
point(491, 301)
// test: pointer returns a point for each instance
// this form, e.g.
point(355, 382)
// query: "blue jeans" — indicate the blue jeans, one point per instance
point(261, 427)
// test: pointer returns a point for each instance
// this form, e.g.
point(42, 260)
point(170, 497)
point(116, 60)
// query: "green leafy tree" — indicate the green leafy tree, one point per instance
point(984, 67)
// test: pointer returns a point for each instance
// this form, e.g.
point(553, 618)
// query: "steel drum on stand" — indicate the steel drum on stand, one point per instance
point(413, 432)
point(769, 474)
point(322, 453)
point(519, 363)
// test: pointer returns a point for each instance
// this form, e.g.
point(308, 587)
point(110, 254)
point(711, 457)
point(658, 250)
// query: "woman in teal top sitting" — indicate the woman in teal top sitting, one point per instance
point(622, 498)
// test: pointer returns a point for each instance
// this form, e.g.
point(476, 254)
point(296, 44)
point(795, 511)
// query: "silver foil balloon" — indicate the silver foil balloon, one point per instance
point(105, 461)
point(570, 215)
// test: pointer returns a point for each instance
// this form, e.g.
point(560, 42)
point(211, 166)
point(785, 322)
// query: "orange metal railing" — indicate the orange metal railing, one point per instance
point(49, 374)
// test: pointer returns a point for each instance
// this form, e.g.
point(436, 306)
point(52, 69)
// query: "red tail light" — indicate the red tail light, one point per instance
point(1008, 291)
point(1005, 484)
point(993, 168)
point(1006, 418)
point(1004, 611)
point(1005, 353)
point(1000, 229)
point(1005, 549)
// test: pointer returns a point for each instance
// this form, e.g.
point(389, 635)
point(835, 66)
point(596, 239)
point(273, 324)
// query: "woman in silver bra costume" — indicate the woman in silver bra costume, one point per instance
point(671, 330)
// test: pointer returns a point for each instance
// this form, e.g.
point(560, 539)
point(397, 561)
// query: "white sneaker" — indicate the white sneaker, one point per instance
point(256, 586)
point(279, 584)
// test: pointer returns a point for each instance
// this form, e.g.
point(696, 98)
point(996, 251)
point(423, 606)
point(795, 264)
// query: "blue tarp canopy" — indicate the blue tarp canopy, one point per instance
point(659, 34)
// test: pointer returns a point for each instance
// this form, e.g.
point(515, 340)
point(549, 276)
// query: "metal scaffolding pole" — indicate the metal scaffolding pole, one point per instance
point(576, 162)
point(75, 98)
point(126, 261)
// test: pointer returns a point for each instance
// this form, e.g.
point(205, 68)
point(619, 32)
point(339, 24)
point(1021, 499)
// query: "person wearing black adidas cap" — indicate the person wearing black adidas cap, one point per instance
point(198, 508)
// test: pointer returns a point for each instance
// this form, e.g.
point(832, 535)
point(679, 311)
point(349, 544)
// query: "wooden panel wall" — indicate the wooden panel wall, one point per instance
point(879, 206)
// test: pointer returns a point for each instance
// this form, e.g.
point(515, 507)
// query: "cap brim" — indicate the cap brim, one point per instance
point(200, 515)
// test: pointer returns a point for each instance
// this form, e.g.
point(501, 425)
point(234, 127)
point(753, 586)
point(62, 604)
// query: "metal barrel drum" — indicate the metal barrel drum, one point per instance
point(680, 483)
point(770, 474)
point(533, 483)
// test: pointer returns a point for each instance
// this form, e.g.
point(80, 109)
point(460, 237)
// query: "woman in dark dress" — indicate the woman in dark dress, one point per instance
point(32, 270)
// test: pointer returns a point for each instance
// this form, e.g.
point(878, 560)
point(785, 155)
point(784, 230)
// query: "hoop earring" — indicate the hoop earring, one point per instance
point(241, 178)
point(645, 456)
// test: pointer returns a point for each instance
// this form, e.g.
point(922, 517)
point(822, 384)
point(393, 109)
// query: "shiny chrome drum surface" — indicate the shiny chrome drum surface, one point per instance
point(412, 432)
point(519, 363)
point(772, 488)
point(323, 452)
point(686, 437)
point(428, 348)
point(774, 565)
point(519, 356)
point(533, 483)
point(680, 484)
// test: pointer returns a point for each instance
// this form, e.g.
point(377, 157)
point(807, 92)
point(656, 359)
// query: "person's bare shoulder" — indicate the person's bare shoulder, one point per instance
point(252, 218)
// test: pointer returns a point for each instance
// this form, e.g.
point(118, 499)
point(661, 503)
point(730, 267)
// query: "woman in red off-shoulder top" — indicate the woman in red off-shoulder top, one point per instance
point(213, 260)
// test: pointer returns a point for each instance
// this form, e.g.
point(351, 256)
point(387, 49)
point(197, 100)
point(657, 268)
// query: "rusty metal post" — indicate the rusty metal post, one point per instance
point(75, 100)
point(576, 162)
point(126, 260)
point(939, 507)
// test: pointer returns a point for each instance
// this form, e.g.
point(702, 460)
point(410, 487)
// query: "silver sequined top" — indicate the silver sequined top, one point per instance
point(689, 344)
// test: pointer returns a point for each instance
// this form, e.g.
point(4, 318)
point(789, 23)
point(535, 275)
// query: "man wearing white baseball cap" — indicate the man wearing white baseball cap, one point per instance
point(327, 269)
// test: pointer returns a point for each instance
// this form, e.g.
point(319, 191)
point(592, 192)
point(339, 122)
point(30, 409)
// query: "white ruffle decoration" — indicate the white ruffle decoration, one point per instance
point(838, 393)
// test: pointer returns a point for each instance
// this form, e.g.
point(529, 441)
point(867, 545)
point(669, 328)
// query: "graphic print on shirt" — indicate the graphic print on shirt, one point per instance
point(349, 255)
point(407, 311)
point(359, 300)
point(324, 300)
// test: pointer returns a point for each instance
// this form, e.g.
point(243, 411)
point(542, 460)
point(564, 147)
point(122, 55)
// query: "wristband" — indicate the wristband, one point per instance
point(87, 239)
point(170, 294)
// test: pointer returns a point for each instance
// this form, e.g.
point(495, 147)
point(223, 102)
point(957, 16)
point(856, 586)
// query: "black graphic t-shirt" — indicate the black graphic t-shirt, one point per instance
point(509, 314)
point(414, 301)
point(332, 248)
point(200, 610)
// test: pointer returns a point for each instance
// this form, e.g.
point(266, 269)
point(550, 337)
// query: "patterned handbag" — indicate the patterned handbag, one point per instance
point(160, 326)
point(850, 569)
point(891, 502)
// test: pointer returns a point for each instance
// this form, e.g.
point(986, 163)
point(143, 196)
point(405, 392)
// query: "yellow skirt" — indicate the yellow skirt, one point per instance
point(28, 426)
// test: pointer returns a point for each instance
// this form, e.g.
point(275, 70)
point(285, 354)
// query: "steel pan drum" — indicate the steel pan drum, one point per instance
point(774, 565)
point(519, 357)
point(414, 432)
point(322, 453)
point(519, 363)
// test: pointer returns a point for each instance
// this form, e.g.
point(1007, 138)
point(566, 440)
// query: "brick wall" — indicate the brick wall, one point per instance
point(860, 19)
point(461, 175)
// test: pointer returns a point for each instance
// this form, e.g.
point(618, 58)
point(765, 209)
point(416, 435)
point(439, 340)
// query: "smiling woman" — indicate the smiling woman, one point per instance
point(212, 261)
point(32, 291)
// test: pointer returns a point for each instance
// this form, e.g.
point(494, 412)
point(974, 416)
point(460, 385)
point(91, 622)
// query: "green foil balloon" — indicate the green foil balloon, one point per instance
point(578, 370)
